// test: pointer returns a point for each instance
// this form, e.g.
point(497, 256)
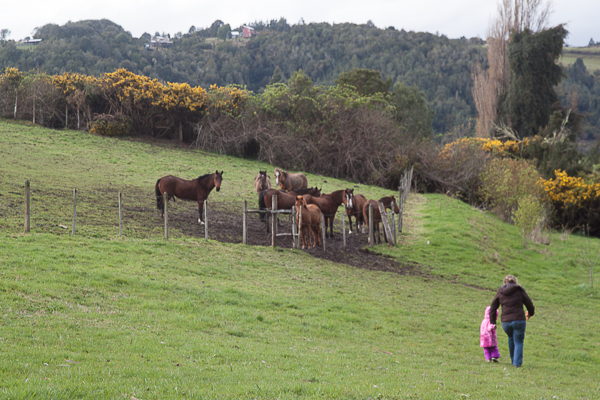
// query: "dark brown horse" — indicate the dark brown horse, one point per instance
point(328, 204)
point(311, 222)
point(262, 182)
point(354, 204)
point(287, 181)
point(197, 190)
point(387, 204)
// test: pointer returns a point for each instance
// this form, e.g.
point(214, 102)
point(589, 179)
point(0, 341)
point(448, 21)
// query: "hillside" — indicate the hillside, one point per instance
point(96, 315)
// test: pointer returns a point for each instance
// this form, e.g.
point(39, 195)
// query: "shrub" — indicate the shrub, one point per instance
point(505, 182)
point(108, 125)
point(530, 218)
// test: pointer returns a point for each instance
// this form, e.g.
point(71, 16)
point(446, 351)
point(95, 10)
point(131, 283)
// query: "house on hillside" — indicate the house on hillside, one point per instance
point(33, 42)
point(234, 34)
point(248, 32)
point(158, 41)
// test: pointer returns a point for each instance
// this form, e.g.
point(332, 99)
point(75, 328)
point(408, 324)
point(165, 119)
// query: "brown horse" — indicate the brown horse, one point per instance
point(311, 221)
point(328, 204)
point(387, 204)
point(285, 200)
point(287, 181)
point(354, 204)
point(262, 182)
point(197, 190)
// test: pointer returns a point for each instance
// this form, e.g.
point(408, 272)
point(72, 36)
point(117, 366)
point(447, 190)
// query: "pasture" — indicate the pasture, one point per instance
point(589, 55)
point(96, 315)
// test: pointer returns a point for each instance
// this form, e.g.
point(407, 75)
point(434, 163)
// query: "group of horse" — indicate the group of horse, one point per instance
point(310, 203)
point(294, 192)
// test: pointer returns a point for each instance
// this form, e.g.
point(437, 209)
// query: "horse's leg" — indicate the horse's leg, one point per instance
point(330, 226)
point(200, 213)
point(350, 223)
point(304, 232)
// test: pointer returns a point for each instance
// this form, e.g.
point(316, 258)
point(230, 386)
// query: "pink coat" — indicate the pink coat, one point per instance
point(487, 332)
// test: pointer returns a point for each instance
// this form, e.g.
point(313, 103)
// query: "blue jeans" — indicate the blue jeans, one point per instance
point(516, 336)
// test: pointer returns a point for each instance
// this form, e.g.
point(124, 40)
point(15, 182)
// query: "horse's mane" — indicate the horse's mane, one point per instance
point(203, 176)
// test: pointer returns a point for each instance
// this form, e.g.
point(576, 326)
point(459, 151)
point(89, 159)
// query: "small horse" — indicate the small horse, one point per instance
point(197, 190)
point(287, 181)
point(387, 204)
point(328, 204)
point(262, 182)
point(311, 221)
point(285, 200)
point(354, 204)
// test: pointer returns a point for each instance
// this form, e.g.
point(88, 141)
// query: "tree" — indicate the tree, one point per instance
point(212, 31)
point(276, 77)
point(534, 73)
point(365, 81)
point(412, 111)
point(4, 34)
point(223, 32)
point(490, 86)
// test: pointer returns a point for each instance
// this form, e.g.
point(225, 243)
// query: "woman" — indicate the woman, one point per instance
point(511, 296)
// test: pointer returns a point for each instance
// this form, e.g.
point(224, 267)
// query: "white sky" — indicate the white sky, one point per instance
point(453, 18)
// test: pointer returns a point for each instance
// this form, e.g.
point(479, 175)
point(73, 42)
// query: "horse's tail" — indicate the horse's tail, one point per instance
point(262, 205)
point(159, 197)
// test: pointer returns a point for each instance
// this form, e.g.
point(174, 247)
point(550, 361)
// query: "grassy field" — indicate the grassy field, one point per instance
point(96, 315)
point(589, 55)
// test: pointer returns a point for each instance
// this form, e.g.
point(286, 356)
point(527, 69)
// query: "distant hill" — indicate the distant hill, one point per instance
point(437, 65)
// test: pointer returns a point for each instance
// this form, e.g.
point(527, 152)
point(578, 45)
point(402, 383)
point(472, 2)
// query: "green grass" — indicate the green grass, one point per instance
point(589, 55)
point(99, 316)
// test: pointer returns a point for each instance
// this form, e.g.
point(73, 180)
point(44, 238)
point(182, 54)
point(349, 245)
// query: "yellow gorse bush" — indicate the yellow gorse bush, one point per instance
point(493, 146)
point(69, 82)
point(570, 191)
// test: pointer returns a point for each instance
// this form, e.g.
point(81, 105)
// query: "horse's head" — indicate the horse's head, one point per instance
point(316, 192)
point(218, 178)
point(280, 176)
point(300, 201)
point(396, 208)
point(348, 198)
point(264, 180)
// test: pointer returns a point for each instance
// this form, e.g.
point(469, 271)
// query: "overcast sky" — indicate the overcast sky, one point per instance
point(454, 19)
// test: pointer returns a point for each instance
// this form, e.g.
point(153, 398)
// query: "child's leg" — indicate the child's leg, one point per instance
point(494, 352)
point(487, 352)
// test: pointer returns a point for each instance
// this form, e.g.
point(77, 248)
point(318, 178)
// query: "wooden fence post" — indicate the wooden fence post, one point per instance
point(166, 214)
point(74, 209)
point(323, 231)
point(294, 229)
point(27, 206)
point(245, 224)
point(371, 233)
point(394, 224)
point(344, 230)
point(205, 220)
point(386, 226)
point(273, 220)
point(299, 226)
point(120, 216)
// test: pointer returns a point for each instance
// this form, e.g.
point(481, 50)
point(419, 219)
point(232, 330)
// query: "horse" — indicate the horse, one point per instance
point(354, 204)
point(328, 204)
point(287, 181)
point(197, 190)
point(262, 182)
point(285, 200)
point(387, 205)
point(311, 220)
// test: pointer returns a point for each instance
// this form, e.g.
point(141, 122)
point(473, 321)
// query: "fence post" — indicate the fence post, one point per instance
point(205, 220)
point(166, 214)
point(394, 224)
point(386, 226)
point(344, 229)
point(27, 206)
point(273, 220)
point(245, 224)
point(120, 216)
point(74, 209)
point(323, 230)
point(294, 229)
point(299, 226)
point(371, 233)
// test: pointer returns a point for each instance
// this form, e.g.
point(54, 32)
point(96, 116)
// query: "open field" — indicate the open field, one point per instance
point(96, 315)
point(589, 55)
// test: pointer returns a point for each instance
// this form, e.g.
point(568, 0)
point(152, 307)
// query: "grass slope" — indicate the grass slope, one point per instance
point(589, 55)
point(99, 316)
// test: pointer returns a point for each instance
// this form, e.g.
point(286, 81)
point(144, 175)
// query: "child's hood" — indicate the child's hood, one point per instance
point(487, 312)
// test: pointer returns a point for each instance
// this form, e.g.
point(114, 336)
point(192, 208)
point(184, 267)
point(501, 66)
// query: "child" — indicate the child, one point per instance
point(488, 339)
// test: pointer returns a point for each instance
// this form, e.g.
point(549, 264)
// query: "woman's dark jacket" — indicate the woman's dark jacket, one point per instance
point(511, 297)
